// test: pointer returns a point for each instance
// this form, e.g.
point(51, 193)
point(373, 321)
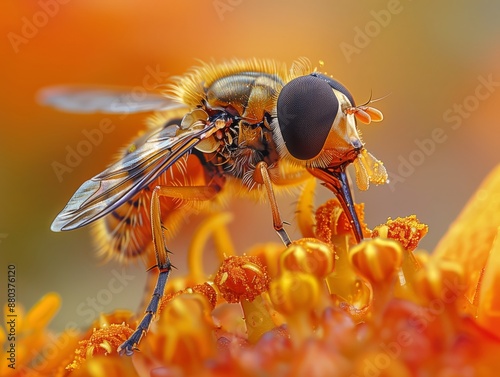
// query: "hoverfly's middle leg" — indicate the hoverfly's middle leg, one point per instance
point(265, 179)
point(162, 259)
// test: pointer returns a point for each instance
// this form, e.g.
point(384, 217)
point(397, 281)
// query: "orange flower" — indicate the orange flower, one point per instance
point(28, 347)
point(473, 242)
point(103, 342)
point(322, 306)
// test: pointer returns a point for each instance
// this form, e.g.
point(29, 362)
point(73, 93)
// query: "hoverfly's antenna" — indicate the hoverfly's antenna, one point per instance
point(367, 114)
point(370, 100)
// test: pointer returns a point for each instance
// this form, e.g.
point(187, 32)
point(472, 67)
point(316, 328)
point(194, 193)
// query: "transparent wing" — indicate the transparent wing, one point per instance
point(113, 100)
point(122, 180)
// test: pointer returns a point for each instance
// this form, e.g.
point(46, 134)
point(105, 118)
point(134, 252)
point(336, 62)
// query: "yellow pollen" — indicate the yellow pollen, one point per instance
point(251, 267)
point(224, 277)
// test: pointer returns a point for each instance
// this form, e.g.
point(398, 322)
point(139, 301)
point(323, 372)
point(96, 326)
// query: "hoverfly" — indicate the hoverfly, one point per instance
point(250, 124)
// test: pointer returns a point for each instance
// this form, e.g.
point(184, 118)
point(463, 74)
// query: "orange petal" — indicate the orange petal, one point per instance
point(43, 311)
point(488, 315)
point(310, 256)
point(470, 238)
point(376, 259)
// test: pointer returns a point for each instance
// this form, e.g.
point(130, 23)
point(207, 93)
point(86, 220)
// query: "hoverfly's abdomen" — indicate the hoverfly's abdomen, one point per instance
point(249, 95)
point(125, 233)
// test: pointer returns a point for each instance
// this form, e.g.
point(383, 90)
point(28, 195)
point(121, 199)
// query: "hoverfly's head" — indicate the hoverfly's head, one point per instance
point(316, 118)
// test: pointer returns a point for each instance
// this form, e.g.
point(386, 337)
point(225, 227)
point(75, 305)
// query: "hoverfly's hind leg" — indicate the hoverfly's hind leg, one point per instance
point(264, 178)
point(162, 259)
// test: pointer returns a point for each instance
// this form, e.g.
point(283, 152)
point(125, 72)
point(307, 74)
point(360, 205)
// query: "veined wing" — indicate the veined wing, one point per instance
point(113, 100)
point(118, 183)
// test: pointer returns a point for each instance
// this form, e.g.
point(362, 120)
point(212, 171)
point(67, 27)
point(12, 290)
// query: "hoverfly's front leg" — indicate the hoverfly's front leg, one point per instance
point(264, 178)
point(162, 259)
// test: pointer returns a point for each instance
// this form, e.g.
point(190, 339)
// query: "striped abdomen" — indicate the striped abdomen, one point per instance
point(125, 233)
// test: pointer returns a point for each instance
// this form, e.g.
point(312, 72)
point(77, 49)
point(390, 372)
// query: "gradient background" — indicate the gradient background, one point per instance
point(429, 56)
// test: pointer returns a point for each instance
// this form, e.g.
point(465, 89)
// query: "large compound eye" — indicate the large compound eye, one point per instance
point(306, 110)
point(336, 85)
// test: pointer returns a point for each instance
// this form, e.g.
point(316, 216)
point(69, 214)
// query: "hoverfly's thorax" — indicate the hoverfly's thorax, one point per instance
point(248, 95)
point(247, 98)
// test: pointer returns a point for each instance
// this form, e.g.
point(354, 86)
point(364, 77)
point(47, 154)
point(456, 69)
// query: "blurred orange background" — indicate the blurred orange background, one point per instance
point(432, 58)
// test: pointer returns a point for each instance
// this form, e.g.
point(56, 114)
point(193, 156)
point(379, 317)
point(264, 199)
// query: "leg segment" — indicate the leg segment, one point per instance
point(277, 222)
point(161, 250)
